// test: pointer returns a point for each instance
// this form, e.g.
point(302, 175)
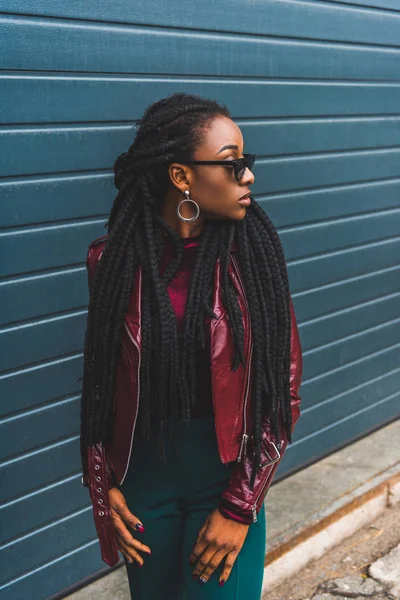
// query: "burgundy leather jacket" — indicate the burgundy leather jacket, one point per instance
point(108, 464)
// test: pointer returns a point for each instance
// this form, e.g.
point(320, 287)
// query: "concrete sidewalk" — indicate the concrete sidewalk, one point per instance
point(334, 498)
point(311, 511)
point(365, 565)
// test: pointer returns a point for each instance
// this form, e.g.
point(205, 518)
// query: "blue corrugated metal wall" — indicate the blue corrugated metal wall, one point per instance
point(315, 87)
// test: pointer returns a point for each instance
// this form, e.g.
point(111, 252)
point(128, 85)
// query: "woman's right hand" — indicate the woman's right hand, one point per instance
point(122, 519)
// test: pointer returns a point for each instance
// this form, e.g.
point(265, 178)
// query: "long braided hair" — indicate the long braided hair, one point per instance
point(170, 131)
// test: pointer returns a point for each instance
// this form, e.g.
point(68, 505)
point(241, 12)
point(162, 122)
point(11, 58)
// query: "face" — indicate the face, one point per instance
point(215, 188)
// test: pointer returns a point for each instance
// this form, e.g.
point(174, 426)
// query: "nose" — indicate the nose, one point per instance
point(248, 177)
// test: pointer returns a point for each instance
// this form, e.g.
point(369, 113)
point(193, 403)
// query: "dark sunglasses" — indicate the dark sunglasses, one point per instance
point(239, 164)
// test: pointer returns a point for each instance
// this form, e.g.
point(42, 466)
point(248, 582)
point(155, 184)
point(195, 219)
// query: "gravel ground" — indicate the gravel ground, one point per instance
point(352, 557)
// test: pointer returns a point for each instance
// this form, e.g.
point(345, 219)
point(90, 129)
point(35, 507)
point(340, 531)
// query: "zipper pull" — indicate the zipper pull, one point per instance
point(243, 447)
point(254, 511)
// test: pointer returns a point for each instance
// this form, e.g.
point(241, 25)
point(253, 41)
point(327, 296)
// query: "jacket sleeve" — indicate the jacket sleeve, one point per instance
point(90, 266)
point(97, 473)
point(238, 501)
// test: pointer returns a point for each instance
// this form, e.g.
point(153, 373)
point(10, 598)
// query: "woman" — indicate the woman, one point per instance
point(192, 361)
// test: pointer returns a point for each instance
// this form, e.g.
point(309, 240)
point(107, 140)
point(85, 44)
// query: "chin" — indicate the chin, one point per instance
point(239, 215)
point(233, 215)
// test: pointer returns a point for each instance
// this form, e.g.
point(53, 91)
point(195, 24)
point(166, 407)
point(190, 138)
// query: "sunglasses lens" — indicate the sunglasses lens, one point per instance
point(250, 161)
point(243, 164)
point(241, 170)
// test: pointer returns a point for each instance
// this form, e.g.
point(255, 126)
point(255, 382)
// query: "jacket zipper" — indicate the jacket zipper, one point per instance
point(243, 447)
point(137, 403)
point(254, 507)
point(245, 437)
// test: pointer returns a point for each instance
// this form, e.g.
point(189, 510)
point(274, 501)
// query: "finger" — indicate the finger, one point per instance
point(229, 562)
point(213, 563)
point(197, 551)
point(132, 542)
point(119, 522)
point(203, 561)
point(130, 554)
point(119, 527)
point(121, 508)
point(122, 548)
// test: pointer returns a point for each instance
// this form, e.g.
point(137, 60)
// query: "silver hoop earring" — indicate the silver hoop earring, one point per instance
point(197, 208)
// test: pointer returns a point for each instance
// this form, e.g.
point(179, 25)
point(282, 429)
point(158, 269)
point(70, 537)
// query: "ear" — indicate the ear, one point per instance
point(181, 176)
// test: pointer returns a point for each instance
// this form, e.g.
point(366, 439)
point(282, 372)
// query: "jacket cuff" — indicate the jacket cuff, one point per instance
point(111, 479)
point(230, 511)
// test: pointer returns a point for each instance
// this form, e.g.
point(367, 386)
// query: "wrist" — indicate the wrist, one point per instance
point(230, 511)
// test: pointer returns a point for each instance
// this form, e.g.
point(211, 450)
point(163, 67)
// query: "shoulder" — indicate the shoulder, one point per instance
point(95, 251)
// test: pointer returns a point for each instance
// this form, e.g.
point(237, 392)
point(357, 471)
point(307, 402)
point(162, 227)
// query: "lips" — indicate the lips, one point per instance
point(246, 201)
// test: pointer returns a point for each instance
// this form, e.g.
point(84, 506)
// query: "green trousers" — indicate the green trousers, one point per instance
point(173, 502)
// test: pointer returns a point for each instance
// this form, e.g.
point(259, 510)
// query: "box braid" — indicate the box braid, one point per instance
point(170, 131)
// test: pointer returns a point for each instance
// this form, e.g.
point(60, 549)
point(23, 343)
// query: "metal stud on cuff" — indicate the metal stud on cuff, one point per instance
point(100, 501)
point(97, 467)
point(101, 513)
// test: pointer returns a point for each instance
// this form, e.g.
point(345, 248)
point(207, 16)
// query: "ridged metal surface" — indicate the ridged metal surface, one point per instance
point(315, 88)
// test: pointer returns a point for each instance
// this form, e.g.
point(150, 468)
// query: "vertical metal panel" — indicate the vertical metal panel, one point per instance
point(315, 88)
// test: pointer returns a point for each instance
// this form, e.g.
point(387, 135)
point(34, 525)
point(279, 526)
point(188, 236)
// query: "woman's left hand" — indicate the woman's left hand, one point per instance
point(218, 539)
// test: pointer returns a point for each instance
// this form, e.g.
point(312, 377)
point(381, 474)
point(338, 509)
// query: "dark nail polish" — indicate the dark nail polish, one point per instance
point(202, 580)
point(222, 582)
point(140, 565)
point(139, 528)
